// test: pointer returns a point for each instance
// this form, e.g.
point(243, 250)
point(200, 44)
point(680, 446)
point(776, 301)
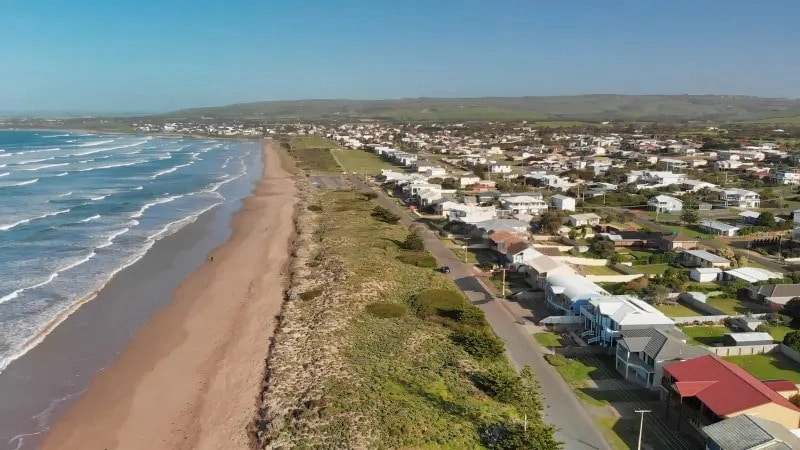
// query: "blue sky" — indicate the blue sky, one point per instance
point(158, 55)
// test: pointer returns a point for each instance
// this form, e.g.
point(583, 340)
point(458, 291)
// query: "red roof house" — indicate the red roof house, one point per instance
point(708, 389)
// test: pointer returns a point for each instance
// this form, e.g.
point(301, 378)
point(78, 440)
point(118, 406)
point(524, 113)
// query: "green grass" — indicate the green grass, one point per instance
point(651, 269)
point(313, 141)
point(769, 366)
point(734, 306)
point(678, 310)
point(791, 120)
point(577, 374)
point(688, 231)
point(599, 270)
point(314, 159)
point(548, 339)
point(620, 433)
point(705, 335)
point(779, 331)
point(392, 380)
point(360, 161)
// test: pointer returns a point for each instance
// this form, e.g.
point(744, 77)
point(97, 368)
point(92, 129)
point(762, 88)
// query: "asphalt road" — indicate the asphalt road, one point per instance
point(576, 427)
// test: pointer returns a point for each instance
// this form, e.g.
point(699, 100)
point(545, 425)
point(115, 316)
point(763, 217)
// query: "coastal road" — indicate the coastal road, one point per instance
point(576, 427)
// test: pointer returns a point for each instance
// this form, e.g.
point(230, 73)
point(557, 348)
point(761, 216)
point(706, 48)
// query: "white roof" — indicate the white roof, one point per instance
point(574, 286)
point(752, 274)
point(707, 256)
point(585, 216)
point(666, 199)
point(629, 310)
point(707, 270)
point(751, 336)
point(717, 225)
point(750, 214)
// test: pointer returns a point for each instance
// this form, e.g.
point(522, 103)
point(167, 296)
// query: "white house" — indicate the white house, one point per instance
point(719, 228)
point(740, 198)
point(665, 204)
point(499, 168)
point(579, 220)
point(524, 204)
point(562, 202)
point(606, 316)
point(792, 178)
point(663, 178)
point(796, 216)
point(468, 181)
point(704, 274)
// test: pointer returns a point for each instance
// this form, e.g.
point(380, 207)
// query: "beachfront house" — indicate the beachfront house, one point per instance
point(566, 292)
point(719, 228)
point(580, 220)
point(532, 203)
point(740, 198)
point(562, 202)
point(606, 316)
point(702, 258)
point(665, 204)
point(642, 352)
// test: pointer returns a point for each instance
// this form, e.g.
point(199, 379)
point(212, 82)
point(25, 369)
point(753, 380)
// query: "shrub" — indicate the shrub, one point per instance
point(557, 360)
point(472, 316)
point(419, 259)
point(369, 195)
point(486, 265)
point(762, 328)
point(439, 302)
point(500, 383)
point(386, 310)
point(413, 242)
point(792, 340)
point(479, 342)
point(384, 215)
point(315, 208)
point(309, 295)
point(795, 399)
point(514, 435)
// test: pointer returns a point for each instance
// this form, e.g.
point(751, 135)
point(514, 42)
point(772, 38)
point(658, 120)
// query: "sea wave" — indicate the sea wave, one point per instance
point(160, 201)
point(8, 226)
point(5, 174)
point(46, 166)
point(89, 219)
point(55, 136)
point(170, 170)
point(108, 149)
point(62, 174)
point(112, 166)
point(95, 143)
point(12, 295)
point(20, 183)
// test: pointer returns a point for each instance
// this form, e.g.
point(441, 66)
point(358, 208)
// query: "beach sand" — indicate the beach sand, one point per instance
point(191, 377)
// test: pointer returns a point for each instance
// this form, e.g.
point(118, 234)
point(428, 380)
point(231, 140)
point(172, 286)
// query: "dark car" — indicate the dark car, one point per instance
point(444, 269)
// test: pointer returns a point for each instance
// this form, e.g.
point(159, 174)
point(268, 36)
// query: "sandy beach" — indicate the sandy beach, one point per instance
point(190, 378)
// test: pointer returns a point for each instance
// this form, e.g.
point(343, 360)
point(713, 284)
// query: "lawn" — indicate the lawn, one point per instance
point(651, 269)
point(313, 159)
point(548, 339)
point(734, 306)
point(769, 366)
point(599, 270)
point(361, 161)
point(313, 142)
point(688, 231)
point(678, 310)
point(779, 331)
point(620, 433)
point(576, 373)
point(704, 334)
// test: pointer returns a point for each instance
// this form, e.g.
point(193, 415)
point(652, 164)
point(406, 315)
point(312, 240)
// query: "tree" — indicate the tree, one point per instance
point(792, 340)
point(384, 215)
point(550, 221)
point(726, 252)
point(656, 294)
point(766, 219)
point(795, 399)
point(792, 309)
point(602, 248)
point(690, 216)
point(414, 241)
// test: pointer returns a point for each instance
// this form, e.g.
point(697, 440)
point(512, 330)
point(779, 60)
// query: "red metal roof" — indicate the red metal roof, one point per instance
point(723, 387)
point(781, 385)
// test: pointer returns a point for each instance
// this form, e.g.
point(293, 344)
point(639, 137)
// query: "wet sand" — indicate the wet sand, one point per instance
point(190, 378)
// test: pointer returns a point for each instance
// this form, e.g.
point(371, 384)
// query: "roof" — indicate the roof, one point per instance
point(777, 290)
point(666, 199)
point(753, 274)
point(585, 216)
point(707, 270)
point(717, 225)
point(751, 336)
point(745, 432)
point(502, 236)
point(661, 345)
point(562, 197)
point(517, 247)
point(678, 238)
point(781, 385)
point(712, 380)
point(750, 214)
point(707, 256)
point(544, 263)
point(575, 286)
point(628, 310)
point(549, 251)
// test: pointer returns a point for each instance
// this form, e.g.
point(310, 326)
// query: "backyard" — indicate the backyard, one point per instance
point(677, 310)
point(651, 269)
point(733, 306)
point(706, 335)
point(768, 366)
point(599, 270)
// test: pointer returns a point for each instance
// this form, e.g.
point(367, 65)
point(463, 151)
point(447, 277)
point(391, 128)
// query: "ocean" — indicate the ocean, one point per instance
point(76, 208)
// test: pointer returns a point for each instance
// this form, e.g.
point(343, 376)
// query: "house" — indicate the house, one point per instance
point(704, 274)
point(642, 352)
point(499, 168)
point(774, 295)
point(696, 185)
point(606, 316)
point(664, 178)
point(540, 268)
point(792, 178)
point(750, 275)
point(740, 198)
point(633, 239)
point(673, 242)
point(747, 338)
point(519, 252)
point(562, 202)
point(703, 206)
point(567, 292)
point(749, 217)
point(707, 389)
point(702, 258)
point(796, 216)
point(665, 204)
point(500, 241)
point(468, 181)
point(580, 220)
point(719, 228)
point(749, 432)
point(524, 204)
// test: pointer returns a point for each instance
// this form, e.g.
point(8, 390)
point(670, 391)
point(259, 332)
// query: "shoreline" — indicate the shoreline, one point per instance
point(139, 133)
point(190, 378)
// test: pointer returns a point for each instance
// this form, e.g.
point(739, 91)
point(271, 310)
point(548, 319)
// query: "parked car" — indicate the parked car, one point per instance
point(444, 269)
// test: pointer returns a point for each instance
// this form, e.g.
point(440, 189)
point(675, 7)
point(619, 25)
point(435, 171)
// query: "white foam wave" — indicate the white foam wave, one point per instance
point(95, 143)
point(89, 219)
point(33, 161)
point(174, 227)
point(112, 166)
point(108, 149)
point(62, 174)
point(8, 226)
point(5, 174)
point(46, 166)
point(160, 201)
point(170, 170)
point(66, 194)
point(98, 198)
point(56, 135)
point(40, 150)
point(114, 235)
point(21, 183)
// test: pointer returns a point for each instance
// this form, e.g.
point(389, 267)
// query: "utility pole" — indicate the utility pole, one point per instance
point(642, 412)
point(504, 282)
point(466, 247)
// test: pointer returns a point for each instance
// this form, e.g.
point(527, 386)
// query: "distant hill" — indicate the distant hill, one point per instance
point(590, 108)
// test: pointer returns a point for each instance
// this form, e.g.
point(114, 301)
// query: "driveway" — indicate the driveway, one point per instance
point(576, 427)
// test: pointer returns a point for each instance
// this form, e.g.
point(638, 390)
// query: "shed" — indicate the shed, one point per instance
point(704, 274)
point(702, 206)
point(747, 338)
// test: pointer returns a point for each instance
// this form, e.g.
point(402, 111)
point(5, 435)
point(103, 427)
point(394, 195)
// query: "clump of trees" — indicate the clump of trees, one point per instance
point(384, 215)
point(413, 241)
point(602, 248)
point(550, 221)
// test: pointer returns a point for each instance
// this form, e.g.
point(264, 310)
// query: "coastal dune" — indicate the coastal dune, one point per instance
point(191, 376)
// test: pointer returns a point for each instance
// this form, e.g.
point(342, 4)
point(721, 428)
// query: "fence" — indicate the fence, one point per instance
point(790, 353)
point(701, 319)
point(626, 269)
point(582, 261)
point(613, 278)
point(700, 306)
point(744, 350)
point(561, 248)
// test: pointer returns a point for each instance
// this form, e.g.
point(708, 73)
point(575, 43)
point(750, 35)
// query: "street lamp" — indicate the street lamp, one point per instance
point(642, 412)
